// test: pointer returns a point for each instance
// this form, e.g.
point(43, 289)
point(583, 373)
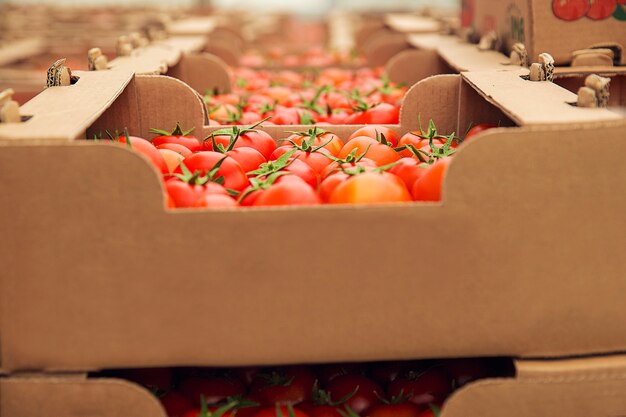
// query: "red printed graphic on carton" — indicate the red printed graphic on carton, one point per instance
point(571, 10)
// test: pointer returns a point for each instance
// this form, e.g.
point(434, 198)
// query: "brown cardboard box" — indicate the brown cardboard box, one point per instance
point(576, 388)
point(558, 27)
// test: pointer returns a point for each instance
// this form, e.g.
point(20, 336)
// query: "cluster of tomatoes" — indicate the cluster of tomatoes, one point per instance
point(378, 389)
point(311, 57)
point(246, 167)
point(332, 96)
point(571, 10)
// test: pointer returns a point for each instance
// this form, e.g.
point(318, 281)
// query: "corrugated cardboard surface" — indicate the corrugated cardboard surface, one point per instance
point(203, 72)
point(411, 66)
point(587, 387)
point(461, 55)
point(65, 112)
point(530, 103)
point(543, 31)
point(73, 397)
point(118, 281)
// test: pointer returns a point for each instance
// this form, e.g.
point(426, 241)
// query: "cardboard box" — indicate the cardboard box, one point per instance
point(577, 388)
point(512, 259)
point(557, 27)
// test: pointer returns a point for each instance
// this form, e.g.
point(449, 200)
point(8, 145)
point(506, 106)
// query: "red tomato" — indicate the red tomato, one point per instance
point(234, 176)
point(334, 167)
point(394, 410)
point(375, 132)
point(332, 141)
point(477, 129)
point(291, 385)
point(601, 9)
point(409, 170)
point(211, 411)
point(148, 150)
point(249, 158)
point(213, 389)
point(259, 140)
point(178, 148)
point(374, 150)
point(280, 411)
point(175, 404)
point(288, 193)
point(316, 160)
point(382, 114)
point(570, 9)
point(177, 136)
point(433, 411)
point(370, 187)
point(431, 386)
point(385, 372)
point(328, 372)
point(328, 185)
point(428, 187)
point(183, 194)
point(216, 201)
point(366, 392)
point(172, 159)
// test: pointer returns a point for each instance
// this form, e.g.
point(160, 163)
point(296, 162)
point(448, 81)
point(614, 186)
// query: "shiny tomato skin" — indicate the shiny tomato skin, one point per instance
point(172, 158)
point(183, 194)
point(284, 412)
point(304, 171)
point(295, 383)
point(249, 158)
point(213, 389)
point(395, 410)
point(432, 386)
point(366, 392)
point(147, 149)
point(216, 201)
point(289, 193)
point(259, 140)
point(328, 185)
point(386, 372)
point(176, 404)
point(409, 170)
point(374, 150)
point(373, 131)
point(235, 177)
point(370, 187)
point(382, 114)
point(190, 142)
point(176, 147)
point(428, 187)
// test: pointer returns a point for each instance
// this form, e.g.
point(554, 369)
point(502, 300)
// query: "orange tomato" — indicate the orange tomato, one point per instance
point(377, 152)
point(428, 187)
point(373, 131)
point(370, 187)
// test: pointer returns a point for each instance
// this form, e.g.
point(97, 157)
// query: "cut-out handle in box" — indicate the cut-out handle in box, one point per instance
point(574, 388)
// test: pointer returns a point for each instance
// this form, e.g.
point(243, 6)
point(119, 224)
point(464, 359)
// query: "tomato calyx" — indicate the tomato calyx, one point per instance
point(276, 379)
point(290, 411)
point(204, 408)
point(398, 399)
point(351, 158)
point(307, 145)
point(178, 131)
point(196, 178)
point(323, 397)
point(312, 103)
point(277, 165)
point(267, 108)
point(234, 132)
point(357, 170)
point(261, 183)
point(306, 119)
point(118, 138)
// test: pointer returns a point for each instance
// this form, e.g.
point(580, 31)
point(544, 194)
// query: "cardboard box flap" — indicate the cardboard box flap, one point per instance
point(460, 55)
point(152, 59)
point(576, 388)
point(20, 49)
point(530, 103)
point(72, 396)
point(192, 26)
point(130, 317)
point(191, 43)
point(409, 23)
point(66, 112)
